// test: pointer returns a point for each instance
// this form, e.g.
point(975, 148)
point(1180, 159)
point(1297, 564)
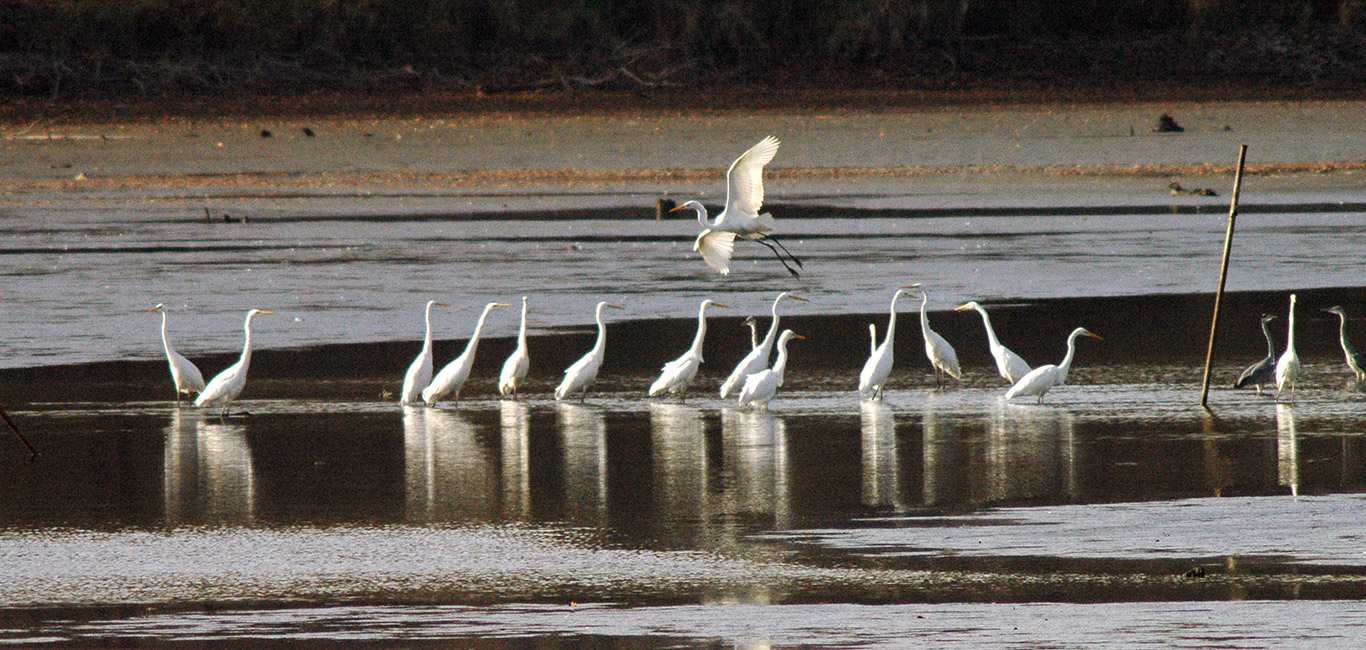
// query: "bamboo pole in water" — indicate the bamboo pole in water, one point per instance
point(1223, 274)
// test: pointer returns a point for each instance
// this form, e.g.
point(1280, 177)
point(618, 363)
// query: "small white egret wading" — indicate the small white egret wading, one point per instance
point(937, 350)
point(873, 378)
point(760, 387)
point(757, 359)
point(1355, 360)
point(1288, 366)
point(741, 218)
point(419, 373)
point(678, 374)
point(185, 374)
point(452, 378)
point(225, 387)
point(517, 365)
point(1264, 371)
point(1041, 379)
point(579, 376)
point(1008, 364)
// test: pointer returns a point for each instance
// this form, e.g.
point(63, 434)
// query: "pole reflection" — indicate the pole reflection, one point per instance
point(206, 473)
point(584, 431)
point(1287, 449)
point(881, 485)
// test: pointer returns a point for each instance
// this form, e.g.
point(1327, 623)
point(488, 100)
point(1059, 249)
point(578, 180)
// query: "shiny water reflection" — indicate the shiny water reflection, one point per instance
point(881, 484)
point(207, 472)
point(754, 459)
point(584, 432)
point(1287, 449)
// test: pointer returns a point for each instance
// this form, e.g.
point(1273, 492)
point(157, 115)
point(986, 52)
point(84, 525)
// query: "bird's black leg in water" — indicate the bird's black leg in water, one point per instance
point(33, 453)
point(780, 259)
point(794, 258)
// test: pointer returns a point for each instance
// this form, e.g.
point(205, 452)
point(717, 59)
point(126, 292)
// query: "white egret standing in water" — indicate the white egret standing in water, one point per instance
point(939, 352)
point(1041, 379)
point(452, 378)
point(185, 374)
point(1264, 371)
point(741, 218)
point(1288, 366)
point(579, 376)
point(1355, 360)
point(1010, 366)
point(225, 387)
point(420, 370)
point(757, 359)
point(678, 374)
point(517, 365)
point(879, 365)
point(760, 387)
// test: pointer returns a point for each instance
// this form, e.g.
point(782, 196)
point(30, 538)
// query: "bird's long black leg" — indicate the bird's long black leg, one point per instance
point(780, 258)
point(794, 258)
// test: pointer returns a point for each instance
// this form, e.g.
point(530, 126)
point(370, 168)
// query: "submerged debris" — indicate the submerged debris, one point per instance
point(1167, 124)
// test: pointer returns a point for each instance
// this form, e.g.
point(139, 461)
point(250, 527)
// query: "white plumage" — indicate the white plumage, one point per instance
point(1288, 366)
point(185, 374)
point(1039, 380)
point(579, 376)
point(760, 387)
point(225, 387)
point(757, 359)
point(1008, 364)
point(873, 378)
point(678, 374)
point(939, 352)
point(517, 365)
point(419, 373)
point(452, 377)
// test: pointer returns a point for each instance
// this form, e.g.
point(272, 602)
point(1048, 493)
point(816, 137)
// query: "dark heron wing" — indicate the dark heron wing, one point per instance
point(1262, 372)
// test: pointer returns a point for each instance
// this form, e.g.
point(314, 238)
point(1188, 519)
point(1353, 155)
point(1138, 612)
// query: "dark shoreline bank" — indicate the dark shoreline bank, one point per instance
point(1153, 330)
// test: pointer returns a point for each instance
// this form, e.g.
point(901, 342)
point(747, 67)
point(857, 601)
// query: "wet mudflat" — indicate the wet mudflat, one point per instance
point(1116, 513)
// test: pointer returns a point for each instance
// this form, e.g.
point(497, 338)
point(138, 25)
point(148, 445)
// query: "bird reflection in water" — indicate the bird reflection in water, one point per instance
point(881, 478)
point(206, 473)
point(755, 467)
point(584, 431)
point(1287, 449)
point(678, 454)
point(449, 471)
point(514, 418)
point(1030, 453)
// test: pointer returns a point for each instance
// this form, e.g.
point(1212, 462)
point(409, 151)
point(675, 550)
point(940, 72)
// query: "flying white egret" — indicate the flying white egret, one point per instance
point(1355, 360)
point(874, 376)
point(760, 387)
point(1288, 366)
point(678, 374)
point(517, 365)
point(1011, 367)
point(741, 218)
point(939, 352)
point(1039, 380)
point(453, 376)
point(225, 387)
point(1264, 371)
point(185, 374)
point(579, 376)
point(419, 373)
point(757, 359)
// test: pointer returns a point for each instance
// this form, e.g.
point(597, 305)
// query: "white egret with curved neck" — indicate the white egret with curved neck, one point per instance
point(678, 374)
point(873, 378)
point(517, 365)
point(419, 373)
point(1008, 364)
point(760, 387)
point(227, 385)
point(1039, 380)
point(1288, 366)
point(937, 350)
point(1355, 360)
point(452, 377)
point(753, 325)
point(757, 359)
point(1264, 371)
point(741, 218)
point(583, 372)
point(185, 374)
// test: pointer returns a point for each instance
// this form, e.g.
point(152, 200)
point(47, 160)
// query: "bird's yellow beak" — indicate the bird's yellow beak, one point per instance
point(440, 304)
point(676, 209)
point(798, 336)
point(961, 308)
point(263, 312)
point(1094, 336)
point(501, 304)
point(915, 286)
point(720, 304)
point(616, 306)
point(798, 298)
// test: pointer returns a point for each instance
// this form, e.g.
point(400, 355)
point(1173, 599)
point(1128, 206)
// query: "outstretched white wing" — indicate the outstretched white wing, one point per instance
point(745, 181)
point(716, 247)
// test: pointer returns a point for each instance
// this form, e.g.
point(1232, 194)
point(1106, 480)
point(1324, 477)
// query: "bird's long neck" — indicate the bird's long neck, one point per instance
point(701, 211)
point(246, 343)
point(1066, 364)
point(772, 330)
point(602, 333)
point(1342, 334)
point(478, 331)
point(165, 342)
point(924, 319)
point(891, 323)
point(521, 332)
point(696, 349)
point(1290, 335)
point(780, 366)
point(1270, 345)
point(992, 341)
point(427, 340)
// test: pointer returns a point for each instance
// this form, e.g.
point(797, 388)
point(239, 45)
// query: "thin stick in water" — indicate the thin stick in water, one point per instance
point(1223, 274)
point(33, 453)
